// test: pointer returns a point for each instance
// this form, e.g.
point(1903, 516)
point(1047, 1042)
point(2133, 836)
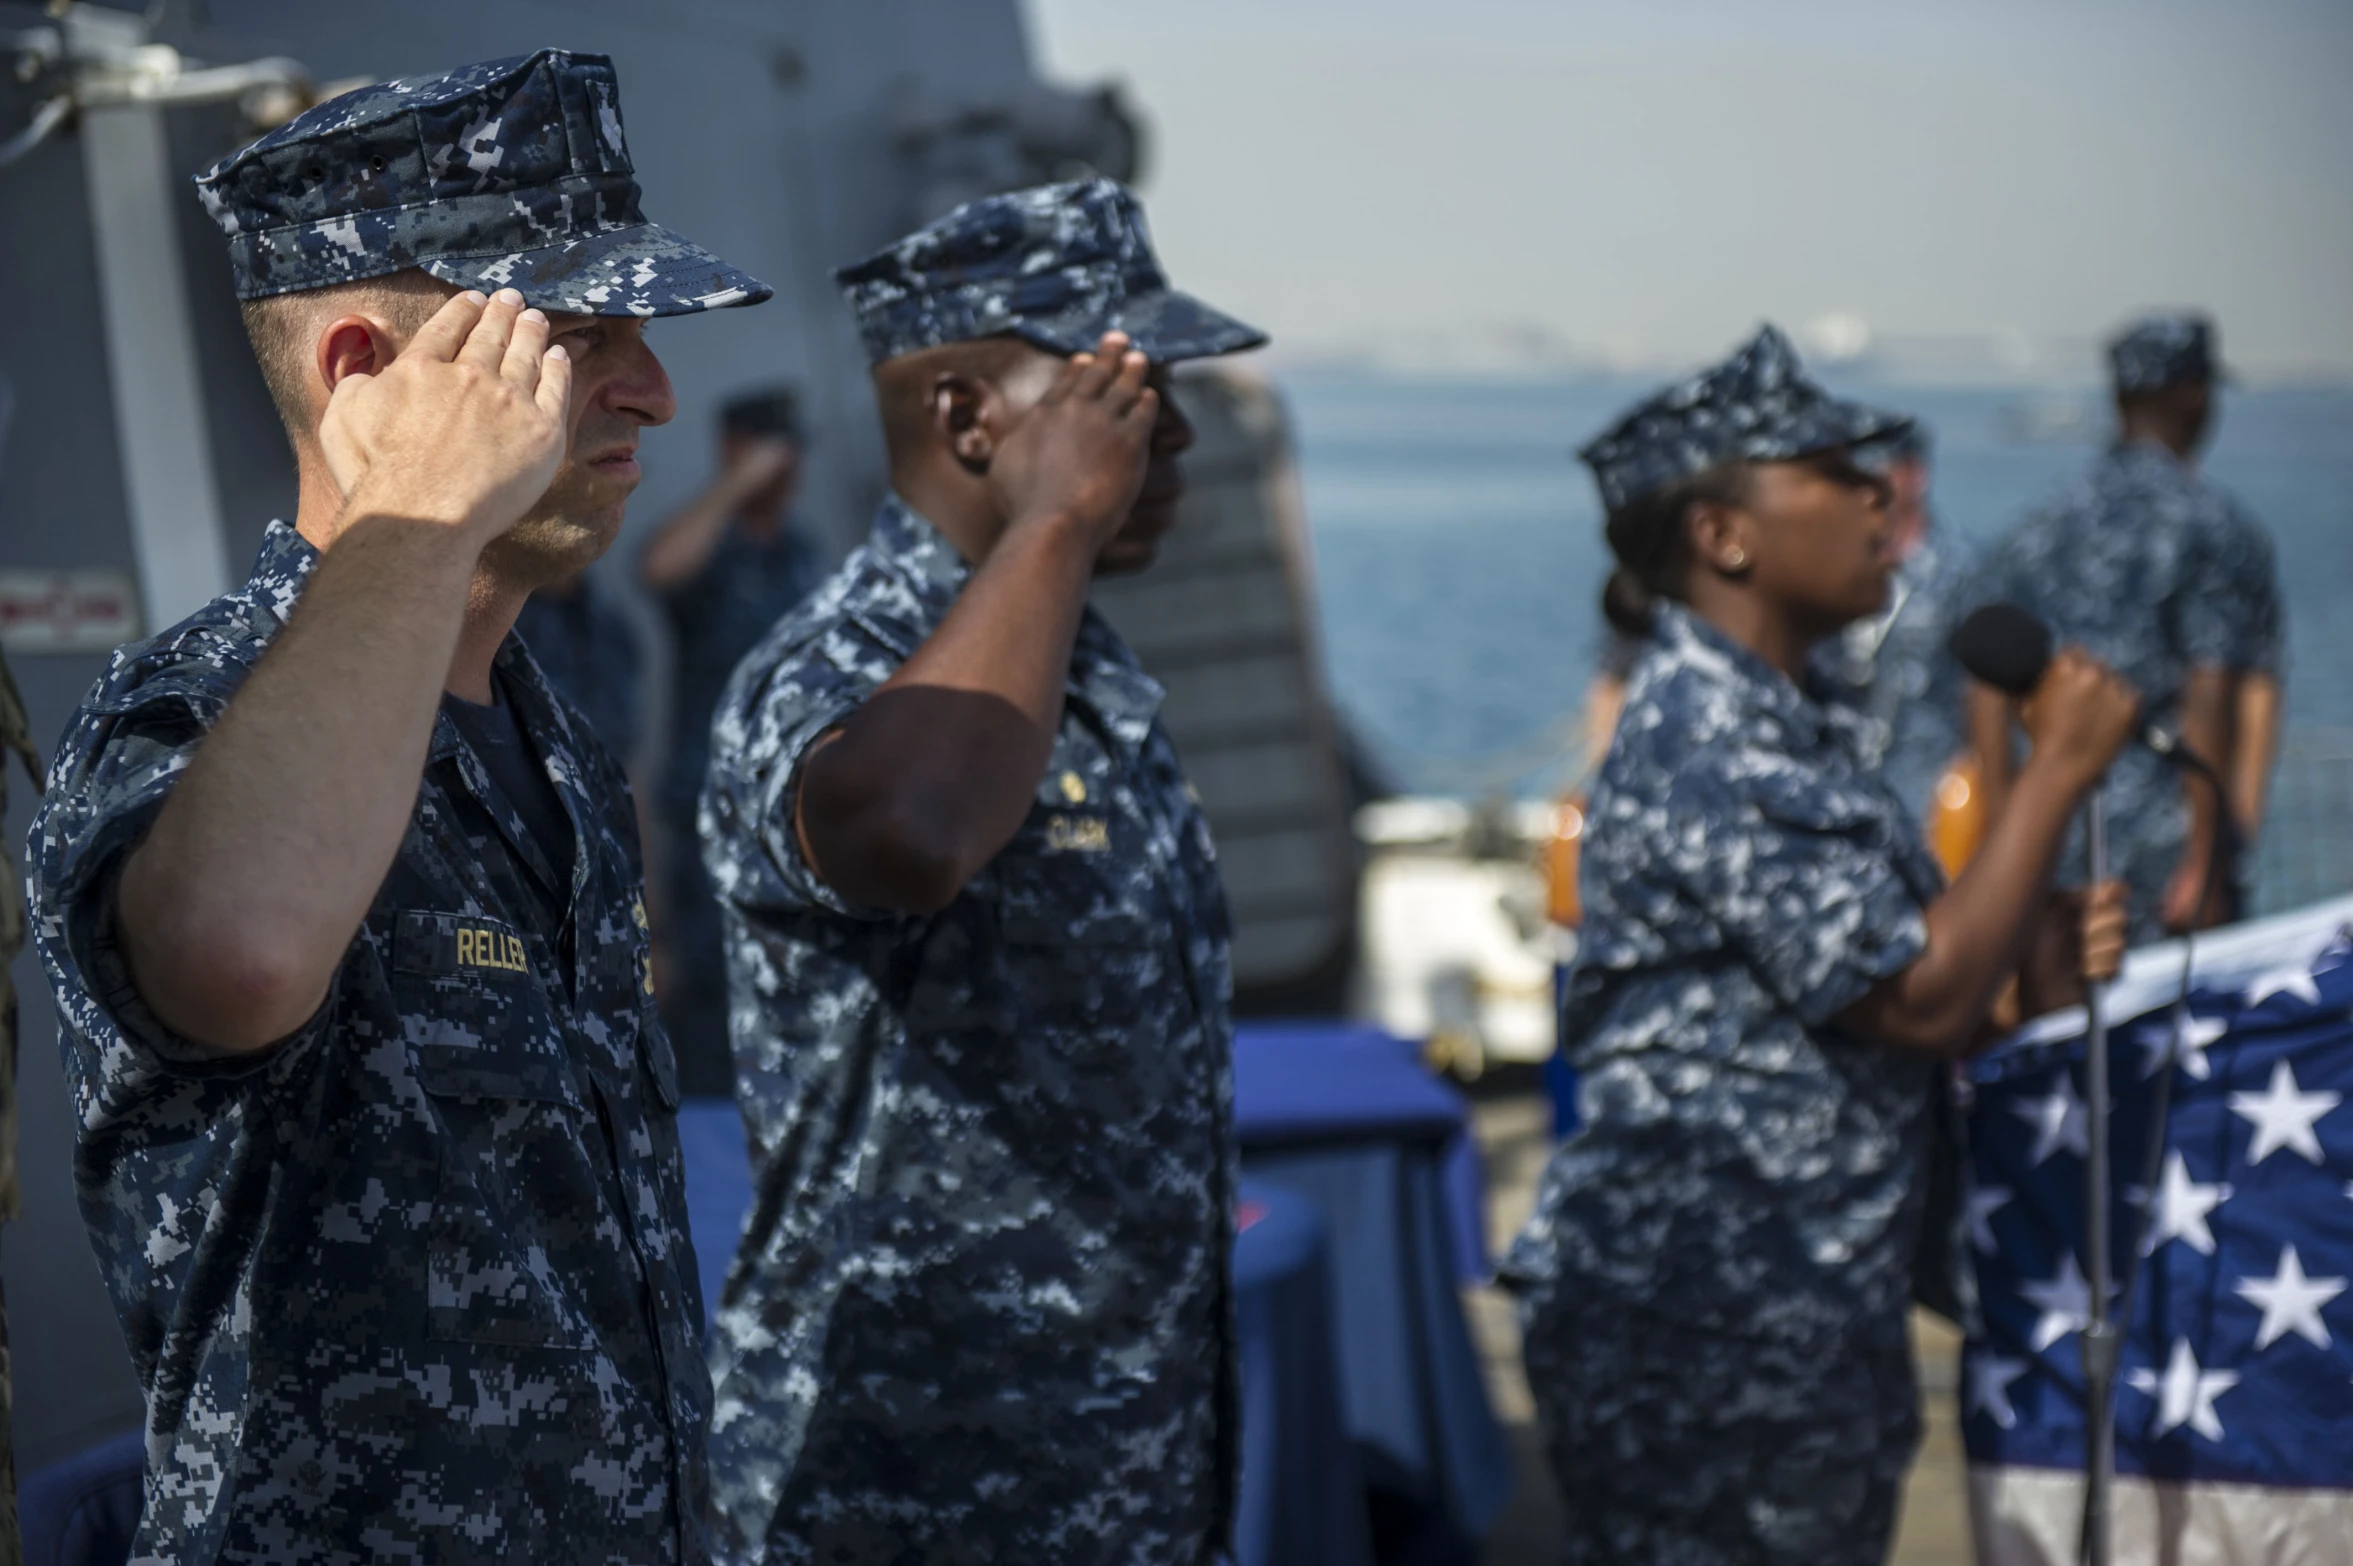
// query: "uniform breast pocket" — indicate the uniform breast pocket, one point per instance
point(516, 1197)
point(1085, 944)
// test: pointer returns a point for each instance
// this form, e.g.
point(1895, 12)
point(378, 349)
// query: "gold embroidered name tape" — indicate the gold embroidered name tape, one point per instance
point(1078, 834)
point(479, 948)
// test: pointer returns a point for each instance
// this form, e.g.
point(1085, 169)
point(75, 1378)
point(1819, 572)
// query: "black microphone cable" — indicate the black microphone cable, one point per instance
point(2221, 855)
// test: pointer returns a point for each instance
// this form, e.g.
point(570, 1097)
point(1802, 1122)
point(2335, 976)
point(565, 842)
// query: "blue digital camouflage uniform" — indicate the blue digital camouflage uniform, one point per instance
point(2164, 349)
point(1719, 1261)
point(415, 1282)
point(1715, 1274)
point(1897, 671)
point(509, 174)
point(1758, 405)
point(589, 653)
point(983, 1309)
point(1057, 266)
point(2157, 572)
point(715, 619)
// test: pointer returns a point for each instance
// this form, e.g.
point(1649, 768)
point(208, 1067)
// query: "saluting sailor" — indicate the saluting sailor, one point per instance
point(977, 950)
point(342, 906)
point(1716, 1273)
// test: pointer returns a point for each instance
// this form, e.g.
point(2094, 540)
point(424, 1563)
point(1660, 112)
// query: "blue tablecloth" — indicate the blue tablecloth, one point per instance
point(84, 1510)
point(1298, 1082)
point(1303, 1494)
point(1348, 1118)
point(718, 1187)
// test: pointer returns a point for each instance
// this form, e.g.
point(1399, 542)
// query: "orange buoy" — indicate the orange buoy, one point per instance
point(1956, 815)
point(1561, 853)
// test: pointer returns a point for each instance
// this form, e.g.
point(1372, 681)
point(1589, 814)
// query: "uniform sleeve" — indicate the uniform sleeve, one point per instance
point(1800, 876)
point(112, 778)
point(762, 739)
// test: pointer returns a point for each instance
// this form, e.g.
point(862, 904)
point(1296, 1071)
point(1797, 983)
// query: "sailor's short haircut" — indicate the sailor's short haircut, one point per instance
point(284, 331)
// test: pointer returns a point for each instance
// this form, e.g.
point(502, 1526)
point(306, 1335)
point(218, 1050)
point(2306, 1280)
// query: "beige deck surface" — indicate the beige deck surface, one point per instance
point(1513, 1132)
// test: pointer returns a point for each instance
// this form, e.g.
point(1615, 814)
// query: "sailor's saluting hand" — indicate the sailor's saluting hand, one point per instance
point(465, 427)
point(1077, 458)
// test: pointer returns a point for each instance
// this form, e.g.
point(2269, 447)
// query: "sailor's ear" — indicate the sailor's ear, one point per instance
point(350, 345)
point(1721, 535)
point(963, 417)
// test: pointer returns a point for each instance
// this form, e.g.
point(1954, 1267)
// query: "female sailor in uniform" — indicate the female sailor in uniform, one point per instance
point(1715, 1279)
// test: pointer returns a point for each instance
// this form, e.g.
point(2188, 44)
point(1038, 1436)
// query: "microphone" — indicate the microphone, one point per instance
point(2008, 648)
point(2003, 646)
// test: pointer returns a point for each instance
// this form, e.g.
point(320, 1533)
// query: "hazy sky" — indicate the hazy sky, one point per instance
point(1646, 178)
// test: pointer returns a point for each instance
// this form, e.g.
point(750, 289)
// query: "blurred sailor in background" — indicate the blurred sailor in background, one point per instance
point(590, 654)
point(725, 567)
point(977, 948)
point(1715, 1278)
point(2169, 580)
point(1894, 667)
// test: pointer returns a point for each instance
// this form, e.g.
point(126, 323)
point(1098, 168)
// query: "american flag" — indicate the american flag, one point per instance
point(2237, 1365)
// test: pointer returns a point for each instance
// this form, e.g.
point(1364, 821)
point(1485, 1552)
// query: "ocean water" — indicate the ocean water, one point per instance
point(1459, 563)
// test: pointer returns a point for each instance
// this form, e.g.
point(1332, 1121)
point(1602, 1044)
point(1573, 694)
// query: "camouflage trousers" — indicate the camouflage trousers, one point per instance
point(1677, 1447)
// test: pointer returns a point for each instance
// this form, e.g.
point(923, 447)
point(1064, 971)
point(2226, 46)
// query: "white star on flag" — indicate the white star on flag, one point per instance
point(2185, 1394)
point(2182, 1206)
point(2283, 1116)
point(2065, 1302)
point(2290, 1301)
point(1989, 1387)
point(2295, 980)
point(2058, 1121)
point(1984, 1201)
point(2158, 1045)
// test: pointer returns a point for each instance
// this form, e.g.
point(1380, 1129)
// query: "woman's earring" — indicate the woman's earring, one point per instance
point(1735, 558)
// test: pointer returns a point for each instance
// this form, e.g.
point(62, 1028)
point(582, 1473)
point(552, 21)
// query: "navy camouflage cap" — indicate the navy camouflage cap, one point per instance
point(1757, 406)
point(508, 174)
point(1056, 265)
point(2158, 351)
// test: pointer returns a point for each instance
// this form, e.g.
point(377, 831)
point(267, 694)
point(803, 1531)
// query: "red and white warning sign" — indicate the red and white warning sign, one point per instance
point(67, 611)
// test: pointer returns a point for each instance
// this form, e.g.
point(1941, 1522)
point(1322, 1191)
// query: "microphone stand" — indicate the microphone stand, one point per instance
point(2101, 1335)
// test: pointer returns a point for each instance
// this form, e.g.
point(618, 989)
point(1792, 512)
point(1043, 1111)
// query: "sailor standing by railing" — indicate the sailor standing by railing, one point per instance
point(2171, 580)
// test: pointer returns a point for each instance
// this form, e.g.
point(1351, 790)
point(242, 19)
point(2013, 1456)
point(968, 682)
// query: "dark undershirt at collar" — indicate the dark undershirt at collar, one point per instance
point(518, 774)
